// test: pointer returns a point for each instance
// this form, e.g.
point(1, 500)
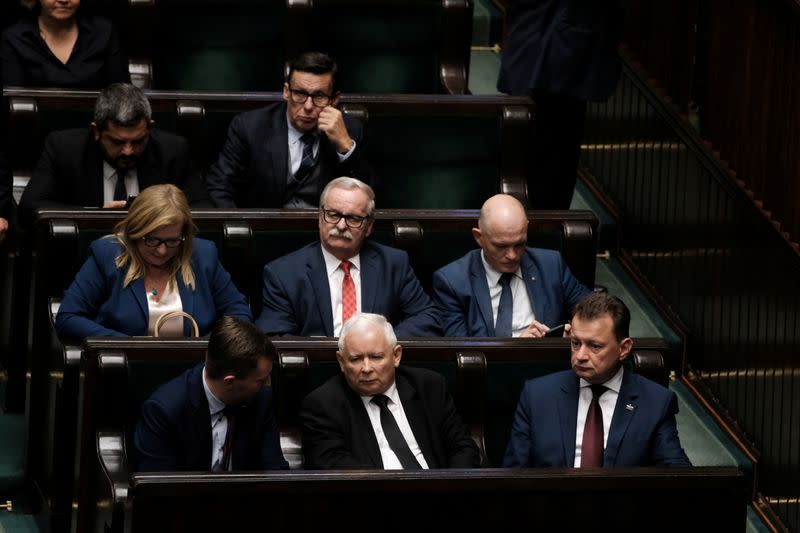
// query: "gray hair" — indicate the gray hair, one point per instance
point(349, 184)
point(123, 104)
point(361, 321)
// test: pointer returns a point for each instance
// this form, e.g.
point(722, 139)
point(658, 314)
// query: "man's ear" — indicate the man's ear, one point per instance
point(95, 131)
point(626, 345)
point(340, 360)
point(476, 234)
point(398, 354)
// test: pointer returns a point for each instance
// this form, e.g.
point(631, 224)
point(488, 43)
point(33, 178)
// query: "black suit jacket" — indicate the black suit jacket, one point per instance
point(252, 167)
point(174, 432)
point(69, 172)
point(337, 433)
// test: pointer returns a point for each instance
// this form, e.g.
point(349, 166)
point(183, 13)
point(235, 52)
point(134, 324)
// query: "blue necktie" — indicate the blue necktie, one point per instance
point(505, 310)
point(307, 162)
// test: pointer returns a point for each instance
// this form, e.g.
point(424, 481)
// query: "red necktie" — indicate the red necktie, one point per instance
point(592, 446)
point(348, 293)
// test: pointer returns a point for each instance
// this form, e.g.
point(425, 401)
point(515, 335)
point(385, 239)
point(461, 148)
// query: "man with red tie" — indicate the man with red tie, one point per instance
point(314, 290)
point(599, 414)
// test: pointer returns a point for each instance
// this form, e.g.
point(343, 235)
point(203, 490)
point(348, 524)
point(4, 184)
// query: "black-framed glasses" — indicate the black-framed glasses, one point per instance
point(154, 242)
point(333, 217)
point(300, 96)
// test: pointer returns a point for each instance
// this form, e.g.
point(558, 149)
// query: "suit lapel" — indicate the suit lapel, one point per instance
point(95, 182)
point(363, 425)
point(480, 289)
point(623, 414)
point(568, 416)
point(416, 415)
point(137, 289)
point(145, 170)
point(201, 419)
point(187, 303)
point(369, 280)
point(277, 147)
point(530, 274)
point(318, 277)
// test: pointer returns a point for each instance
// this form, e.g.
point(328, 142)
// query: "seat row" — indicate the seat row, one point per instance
point(441, 152)
point(485, 377)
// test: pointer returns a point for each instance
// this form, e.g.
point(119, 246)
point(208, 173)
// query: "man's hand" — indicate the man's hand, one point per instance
point(535, 330)
point(331, 123)
point(115, 204)
point(3, 228)
point(567, 331)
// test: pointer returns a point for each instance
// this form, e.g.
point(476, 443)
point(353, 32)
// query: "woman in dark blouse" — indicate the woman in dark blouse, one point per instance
point(59, 47)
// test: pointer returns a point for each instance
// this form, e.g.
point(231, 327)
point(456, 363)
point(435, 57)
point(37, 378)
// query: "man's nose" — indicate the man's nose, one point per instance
point(342, 224)
point(127, 149)
point(308, 105)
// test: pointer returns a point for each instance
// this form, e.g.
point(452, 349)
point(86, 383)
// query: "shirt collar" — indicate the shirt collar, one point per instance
point(108, 171)
point(215, 405)
point(390, 393)
point(492, 275)
point(615, 383)
point(295, 134)
point(332, 263)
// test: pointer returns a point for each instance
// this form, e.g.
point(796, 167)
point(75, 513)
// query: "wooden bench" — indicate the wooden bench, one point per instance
point(119, 374)
point(625, 500)
point(443, 151)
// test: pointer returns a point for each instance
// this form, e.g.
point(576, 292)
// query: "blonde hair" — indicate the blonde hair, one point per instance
point(156, 206)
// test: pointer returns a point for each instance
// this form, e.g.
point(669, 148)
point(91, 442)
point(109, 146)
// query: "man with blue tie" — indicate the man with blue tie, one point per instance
point(216, 416)
point(505, 289)
point(599, 414)
point(314, 290)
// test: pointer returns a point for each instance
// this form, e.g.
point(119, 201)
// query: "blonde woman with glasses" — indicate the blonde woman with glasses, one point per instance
point(152, 265)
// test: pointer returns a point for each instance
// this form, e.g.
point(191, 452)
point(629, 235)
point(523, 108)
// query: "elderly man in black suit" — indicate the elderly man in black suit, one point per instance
point(119, 155)
point(284, 154)
point(377, 414)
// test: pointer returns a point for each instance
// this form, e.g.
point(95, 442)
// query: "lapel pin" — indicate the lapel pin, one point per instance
point(533, 278)
point(629, 406)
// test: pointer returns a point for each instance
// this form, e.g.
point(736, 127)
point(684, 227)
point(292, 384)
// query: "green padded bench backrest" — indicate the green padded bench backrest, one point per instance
point(237, 45)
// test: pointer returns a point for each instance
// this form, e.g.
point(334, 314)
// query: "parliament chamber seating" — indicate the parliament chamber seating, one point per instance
point(426, 151)
point(246, 240)
point(119, 374)
point(386, 46)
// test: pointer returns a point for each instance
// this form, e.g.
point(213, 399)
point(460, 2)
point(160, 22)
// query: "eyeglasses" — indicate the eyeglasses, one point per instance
point(154, 242)
point(352, 221)
point(318, 99)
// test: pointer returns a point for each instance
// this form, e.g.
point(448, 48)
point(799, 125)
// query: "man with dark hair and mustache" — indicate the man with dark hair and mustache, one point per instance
point(314, 290)
point(112, 160)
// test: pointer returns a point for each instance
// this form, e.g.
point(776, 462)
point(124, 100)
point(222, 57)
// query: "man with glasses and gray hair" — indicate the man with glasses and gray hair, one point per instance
point(284, 154)
point(106, 164)
point(314, 290)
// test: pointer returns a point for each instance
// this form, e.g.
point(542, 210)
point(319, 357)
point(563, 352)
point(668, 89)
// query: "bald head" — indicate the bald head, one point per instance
point(502, 232)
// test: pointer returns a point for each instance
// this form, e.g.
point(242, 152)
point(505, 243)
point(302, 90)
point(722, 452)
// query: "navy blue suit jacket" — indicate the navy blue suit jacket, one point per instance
point(462, 294)
point(96, 304)
point(643, 430)
point(297, 297)
point(174, 431)
point(337, 432)
point(562, 46)
point(252, 168)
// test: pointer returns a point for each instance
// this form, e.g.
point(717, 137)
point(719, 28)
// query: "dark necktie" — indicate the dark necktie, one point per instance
point(307, 162)
point(397, 442)
point(348, 292)
point(224, 463)
point(505, 311)
point(120, 192)
point(592, 446)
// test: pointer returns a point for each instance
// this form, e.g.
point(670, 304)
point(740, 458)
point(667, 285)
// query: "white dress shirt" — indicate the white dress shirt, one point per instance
point(335, 279)
point(523, 307)
point(219, 423)
point(608, 402)
point(110, 182)
point(390, 460)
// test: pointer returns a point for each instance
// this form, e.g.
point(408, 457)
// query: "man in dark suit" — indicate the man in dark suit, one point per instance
point(505, 289)
point(314, 290)
point(118, 156)
point(284, 154)
point(377, 414)
point(598, 413)
point(563, 53)
point(217, 416)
